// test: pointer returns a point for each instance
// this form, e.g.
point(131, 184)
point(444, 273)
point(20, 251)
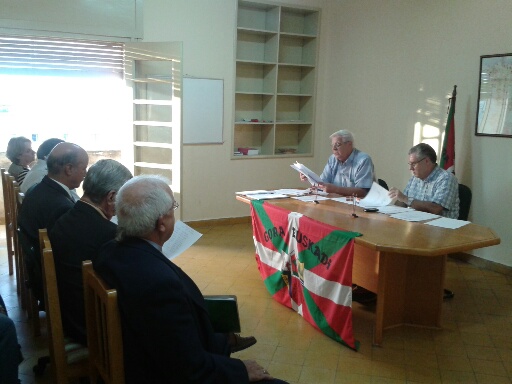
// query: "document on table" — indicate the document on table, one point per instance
point(292, 192)
point(414, 215)
point(391, 209)
point(182, 238)
point(310, 198)
point(445, 222)
point(312, 177)
point(377, 197)
point(262, 195)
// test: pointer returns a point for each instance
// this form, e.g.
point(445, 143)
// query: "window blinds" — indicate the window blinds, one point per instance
point(57, 56)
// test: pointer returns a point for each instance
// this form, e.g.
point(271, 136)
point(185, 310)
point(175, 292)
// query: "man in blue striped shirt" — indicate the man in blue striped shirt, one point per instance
point(348, 171)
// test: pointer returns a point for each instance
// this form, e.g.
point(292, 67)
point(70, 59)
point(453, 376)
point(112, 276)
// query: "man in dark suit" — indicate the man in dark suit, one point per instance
point(167, 334)
point(67, 165)
point(78, 235)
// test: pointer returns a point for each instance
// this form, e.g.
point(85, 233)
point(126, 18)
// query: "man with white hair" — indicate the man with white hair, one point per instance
point(348, 170)
point(167, 334)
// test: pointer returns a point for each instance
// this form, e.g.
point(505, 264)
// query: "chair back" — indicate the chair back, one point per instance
point(465, 197)
point(7, 193)
point(104, 336)
point(383, 184)
point(68, 360)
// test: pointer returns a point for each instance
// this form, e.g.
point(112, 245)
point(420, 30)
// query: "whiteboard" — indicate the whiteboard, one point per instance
point(203, 110)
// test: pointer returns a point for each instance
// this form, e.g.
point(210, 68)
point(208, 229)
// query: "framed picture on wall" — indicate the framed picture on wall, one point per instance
point(494, 113)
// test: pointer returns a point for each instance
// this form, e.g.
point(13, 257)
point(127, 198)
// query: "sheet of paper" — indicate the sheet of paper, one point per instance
point(312, 177)
point(267, 196)
point(182, 238)
point(310, 198)
point(445, 222)
point(414, 215)
point(377, 197)
point(343, 199)
point(292, 192)
point(391, 209)
point(252, 192)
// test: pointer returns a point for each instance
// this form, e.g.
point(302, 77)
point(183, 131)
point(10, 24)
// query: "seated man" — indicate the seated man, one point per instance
point(167, 334)
point(67, 165)
point(348, 171)
point(39, 169)
point(9, 348)
point(78, 235)
point(431, 188)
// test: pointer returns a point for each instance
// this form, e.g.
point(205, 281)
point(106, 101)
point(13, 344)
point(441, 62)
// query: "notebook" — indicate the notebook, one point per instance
point(223, 310)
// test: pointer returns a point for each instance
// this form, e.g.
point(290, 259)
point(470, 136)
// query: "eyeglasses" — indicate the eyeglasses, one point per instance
point(335, 146)
point(175, 205)
point(415, 163)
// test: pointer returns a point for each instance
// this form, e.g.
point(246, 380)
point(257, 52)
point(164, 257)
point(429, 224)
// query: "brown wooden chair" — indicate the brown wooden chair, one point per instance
point(68, 360)
point(28, 299)
point(104, 336)
point(12, 190)
point(8, 218)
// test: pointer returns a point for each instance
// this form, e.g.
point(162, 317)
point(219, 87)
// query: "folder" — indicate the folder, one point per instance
point(223, 311)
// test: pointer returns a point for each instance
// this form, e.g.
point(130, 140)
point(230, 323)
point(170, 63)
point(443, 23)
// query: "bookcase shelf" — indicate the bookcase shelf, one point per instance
point(275, 84)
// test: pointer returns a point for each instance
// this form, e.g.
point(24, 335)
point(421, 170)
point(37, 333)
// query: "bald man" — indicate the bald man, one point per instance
point(50, 199)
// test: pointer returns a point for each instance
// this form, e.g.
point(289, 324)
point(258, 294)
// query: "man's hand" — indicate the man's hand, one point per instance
point(256, 372)
point(302, 176)
point(395, 193)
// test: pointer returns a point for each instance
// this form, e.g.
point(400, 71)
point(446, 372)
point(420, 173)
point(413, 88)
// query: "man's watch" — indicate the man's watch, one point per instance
point(409, 201)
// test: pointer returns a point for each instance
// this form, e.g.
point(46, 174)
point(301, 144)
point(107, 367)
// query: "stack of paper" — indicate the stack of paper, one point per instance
point(377, 197)
point(312, 177)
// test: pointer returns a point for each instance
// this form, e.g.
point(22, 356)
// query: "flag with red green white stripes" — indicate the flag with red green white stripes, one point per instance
point(306, 265)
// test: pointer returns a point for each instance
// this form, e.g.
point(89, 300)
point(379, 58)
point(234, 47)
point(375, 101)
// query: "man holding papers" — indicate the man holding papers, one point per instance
point(431, 188)
point(348, 171)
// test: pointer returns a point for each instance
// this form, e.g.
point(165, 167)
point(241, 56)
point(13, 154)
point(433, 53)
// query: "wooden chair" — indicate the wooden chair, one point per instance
point(8, 218)
point(104, 337)
point(68, 360)
point(12, 190)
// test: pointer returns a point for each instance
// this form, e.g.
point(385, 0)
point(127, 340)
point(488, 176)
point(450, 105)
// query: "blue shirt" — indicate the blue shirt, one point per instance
point(440, 187)
point(356, 172)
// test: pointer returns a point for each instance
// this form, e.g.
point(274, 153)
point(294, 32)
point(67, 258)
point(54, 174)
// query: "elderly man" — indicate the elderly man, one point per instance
point(431, 188)
point(39, 169)
point(348, 171)
point(167, 334)
point(78, 235)
point(50, 199)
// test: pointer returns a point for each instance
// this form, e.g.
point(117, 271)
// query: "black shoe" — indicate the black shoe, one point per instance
point(239, 343)
point(448, 294)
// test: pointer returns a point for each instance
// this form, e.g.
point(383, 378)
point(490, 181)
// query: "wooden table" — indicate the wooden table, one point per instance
point(403, 262)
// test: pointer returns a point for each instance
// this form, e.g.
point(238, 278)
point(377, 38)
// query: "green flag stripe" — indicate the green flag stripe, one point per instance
point(321, 321)
point(274, 283)
point(329, 245)
point(278, 242)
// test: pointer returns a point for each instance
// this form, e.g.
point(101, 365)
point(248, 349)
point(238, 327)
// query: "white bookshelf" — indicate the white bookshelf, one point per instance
point(275, 83)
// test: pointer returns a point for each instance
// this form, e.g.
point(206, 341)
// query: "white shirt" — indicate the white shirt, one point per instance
point(35, 175)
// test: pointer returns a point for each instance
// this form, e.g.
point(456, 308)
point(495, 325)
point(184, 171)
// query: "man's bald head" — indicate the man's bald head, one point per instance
point(67, 163)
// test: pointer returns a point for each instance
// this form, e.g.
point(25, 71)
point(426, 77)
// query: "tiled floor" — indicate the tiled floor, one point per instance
point(475, 345)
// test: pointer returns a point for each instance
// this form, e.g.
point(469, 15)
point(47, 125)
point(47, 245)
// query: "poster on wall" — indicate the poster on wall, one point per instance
point(494, 112)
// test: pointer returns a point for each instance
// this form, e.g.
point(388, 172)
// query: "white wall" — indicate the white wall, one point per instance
point(392, 64)
point(210, 179)
point(384, 66)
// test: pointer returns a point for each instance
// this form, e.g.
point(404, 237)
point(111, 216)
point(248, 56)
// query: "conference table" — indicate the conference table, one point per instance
point(403, 262)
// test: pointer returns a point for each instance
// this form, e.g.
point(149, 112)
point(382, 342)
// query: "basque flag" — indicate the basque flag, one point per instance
point(306, 265)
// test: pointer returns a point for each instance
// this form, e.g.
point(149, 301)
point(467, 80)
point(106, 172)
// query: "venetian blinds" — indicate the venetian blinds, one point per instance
point(57, 56)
